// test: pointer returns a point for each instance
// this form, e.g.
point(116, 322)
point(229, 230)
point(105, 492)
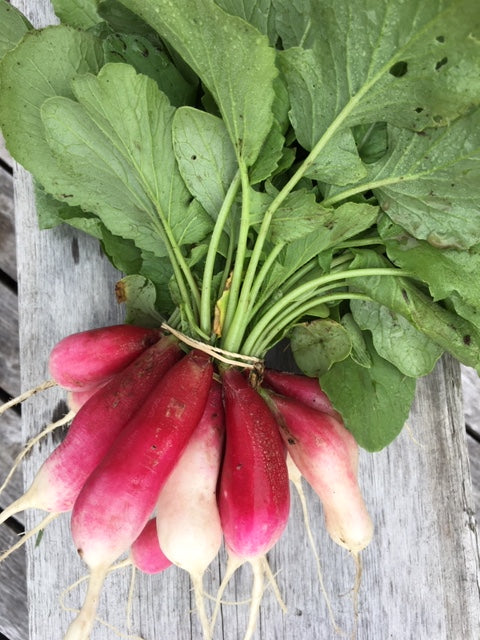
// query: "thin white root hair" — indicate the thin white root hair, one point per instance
point(29, 534)
point(82, 625)
point(197, 583)
point(31, 443)
point(296, 479)
point(232, 565)
point(356, 589)
point(257, 595)
point(27, 394)
point(273, 583)
point(130, 597)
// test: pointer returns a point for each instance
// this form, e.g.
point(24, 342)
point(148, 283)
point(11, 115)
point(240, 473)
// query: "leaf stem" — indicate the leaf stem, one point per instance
point(309, 287)
point(205, 308)
point(291, 317)
point(241, 253)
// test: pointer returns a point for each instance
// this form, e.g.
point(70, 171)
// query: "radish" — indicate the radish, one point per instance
point(84, 359)
point(254, 498)
point(119, 497)
point(93, 430)
point(326, 454)
point(146, 553)
point(188, 522)
point(303, 388)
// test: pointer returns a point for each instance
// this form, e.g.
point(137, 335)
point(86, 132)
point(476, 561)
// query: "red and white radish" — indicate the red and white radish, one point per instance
point(94, 429)
point(254, 496)
point(119, 497)
point(326, 454)
point(85, 359)
point(188, 521)
point(303, 388)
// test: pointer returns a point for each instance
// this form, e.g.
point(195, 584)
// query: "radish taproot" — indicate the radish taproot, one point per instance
point(188, 521)
point(119, 497)
point(93, 430)
point(85, 359)
point(254, 496)
point(326, 454)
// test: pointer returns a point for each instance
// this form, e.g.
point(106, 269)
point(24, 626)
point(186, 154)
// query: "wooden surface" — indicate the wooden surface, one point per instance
point(421, 573)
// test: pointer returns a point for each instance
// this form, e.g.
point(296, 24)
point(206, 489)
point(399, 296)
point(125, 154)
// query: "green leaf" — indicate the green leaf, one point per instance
point(231, 57)
point(205, 156)
point(13, 26)
point(300, 215)
point(446, 271)
point(446, 328)
point(412, 64)
point(339, 162)
point(116, 153)
point(122, 20)
point(317, 345)
point(359, 354)
point(296, 22)
point(152, 61)
point(338, 225)
point(41, 66)
point(374, 402)
point(81, 14)
point(430, 184)
point(258, 13)
point(138, 294)
point(395, 339)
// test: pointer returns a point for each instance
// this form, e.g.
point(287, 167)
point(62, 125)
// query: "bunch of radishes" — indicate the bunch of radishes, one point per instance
point(168, 453)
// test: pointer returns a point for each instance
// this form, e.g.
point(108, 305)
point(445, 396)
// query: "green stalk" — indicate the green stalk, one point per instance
point(309, 287)
point(205, 310)
point(241, 252)
point(292, 317)
point(262, 274)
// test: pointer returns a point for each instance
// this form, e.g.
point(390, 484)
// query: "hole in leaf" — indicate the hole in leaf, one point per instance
point(399, 69)
point(419, 109)
point(440, 39)
point(441, 63)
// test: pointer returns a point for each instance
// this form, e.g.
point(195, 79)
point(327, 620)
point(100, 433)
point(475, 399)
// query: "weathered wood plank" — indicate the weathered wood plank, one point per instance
point(8, 262)
point(13, 603)
point(9, 355)
point(471, 392)
point(474, 456)
point(11, 444)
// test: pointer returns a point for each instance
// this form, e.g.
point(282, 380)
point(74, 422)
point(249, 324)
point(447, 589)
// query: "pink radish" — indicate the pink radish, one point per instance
point(188, 522)
point(84, 359)
point(326, 454)
point(146, 553)
point(94, 429)
point(254, 498)
point(303, 388)
point(120, 495)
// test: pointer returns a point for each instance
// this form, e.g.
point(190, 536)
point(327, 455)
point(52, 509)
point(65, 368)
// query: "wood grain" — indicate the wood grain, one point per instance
point(7, 226)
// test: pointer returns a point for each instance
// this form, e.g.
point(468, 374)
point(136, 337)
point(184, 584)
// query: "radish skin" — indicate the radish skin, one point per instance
point(188, 521)
point(93, 430)
point(85, 359)
point(119, 496)
point(303, 388)
point(326, 454)
point(254, 496)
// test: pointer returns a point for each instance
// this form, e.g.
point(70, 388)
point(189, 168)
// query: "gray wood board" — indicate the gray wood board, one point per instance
point(9, 356)
point(7, 227)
